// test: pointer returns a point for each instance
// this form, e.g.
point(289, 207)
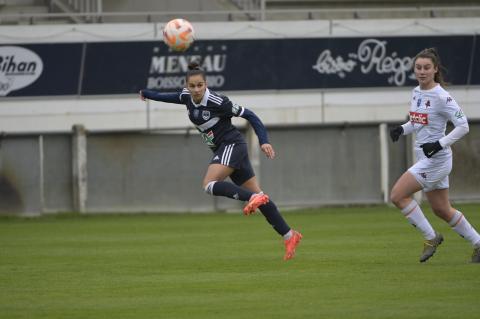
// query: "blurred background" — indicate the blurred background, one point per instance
point(328, 79)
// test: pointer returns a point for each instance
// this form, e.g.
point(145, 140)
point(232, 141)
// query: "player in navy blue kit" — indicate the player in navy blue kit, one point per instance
point(211, 114)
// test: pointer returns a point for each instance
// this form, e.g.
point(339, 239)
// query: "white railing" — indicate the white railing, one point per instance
point(79, 11)
point(262, 14)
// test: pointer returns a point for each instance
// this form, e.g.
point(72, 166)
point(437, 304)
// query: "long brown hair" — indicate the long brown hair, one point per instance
point(432, 54)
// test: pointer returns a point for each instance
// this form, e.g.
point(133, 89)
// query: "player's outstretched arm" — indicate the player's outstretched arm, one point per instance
point(160, 96)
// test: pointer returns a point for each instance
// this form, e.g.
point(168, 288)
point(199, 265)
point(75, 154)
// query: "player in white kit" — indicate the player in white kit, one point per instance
point(430, 110)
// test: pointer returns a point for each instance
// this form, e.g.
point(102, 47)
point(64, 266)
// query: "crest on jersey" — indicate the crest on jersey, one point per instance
point(459, 114)
point(427, 104)
point(205, 115)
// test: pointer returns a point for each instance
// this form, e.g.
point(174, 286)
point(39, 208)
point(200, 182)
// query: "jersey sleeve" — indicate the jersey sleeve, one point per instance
point(163, 97)
point(452, 111)
point(408, 128)
point(231, 109)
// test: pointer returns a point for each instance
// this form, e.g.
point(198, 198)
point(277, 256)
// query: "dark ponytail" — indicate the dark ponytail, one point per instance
point(432, 54)
point(195, 69)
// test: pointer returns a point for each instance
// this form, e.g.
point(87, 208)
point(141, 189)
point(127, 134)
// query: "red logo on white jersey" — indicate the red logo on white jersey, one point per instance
point(420, 118)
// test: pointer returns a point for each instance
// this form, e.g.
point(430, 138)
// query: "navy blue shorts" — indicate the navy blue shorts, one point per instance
point(235, 156)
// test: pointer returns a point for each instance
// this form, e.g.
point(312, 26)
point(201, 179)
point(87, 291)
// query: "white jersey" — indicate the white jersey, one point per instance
point(430, 110)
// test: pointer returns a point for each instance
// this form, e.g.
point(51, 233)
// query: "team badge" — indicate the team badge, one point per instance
point(427, 104)
point(205, 115)
point(419, 102)
point(459, 114)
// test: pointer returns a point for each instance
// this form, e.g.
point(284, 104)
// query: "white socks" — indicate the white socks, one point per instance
point(415, 216)
point(462, 227)
point(459, 224)
point(288, 235)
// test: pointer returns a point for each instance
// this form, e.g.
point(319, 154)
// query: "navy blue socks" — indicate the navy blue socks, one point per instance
point(231, 191)
point(272, 215)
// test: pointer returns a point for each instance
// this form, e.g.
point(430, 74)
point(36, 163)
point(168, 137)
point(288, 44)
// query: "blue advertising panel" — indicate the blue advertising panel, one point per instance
point(474, 74)
point(40, 69)
point(231, 65)
point(271, 64)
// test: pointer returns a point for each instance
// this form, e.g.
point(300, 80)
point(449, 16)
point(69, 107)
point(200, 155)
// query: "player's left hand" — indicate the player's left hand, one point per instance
point(430, 149)
point(268, 150)
point(142, 97)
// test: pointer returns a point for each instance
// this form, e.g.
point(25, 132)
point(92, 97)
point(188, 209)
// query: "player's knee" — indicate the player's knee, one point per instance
point(208, 187)
point(441, 211)
point(396, 198)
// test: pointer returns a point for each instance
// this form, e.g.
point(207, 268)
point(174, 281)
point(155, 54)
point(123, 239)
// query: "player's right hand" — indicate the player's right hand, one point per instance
point(396, 132)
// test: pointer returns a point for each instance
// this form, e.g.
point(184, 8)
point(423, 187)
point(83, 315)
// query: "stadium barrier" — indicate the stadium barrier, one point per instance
point(161, 171)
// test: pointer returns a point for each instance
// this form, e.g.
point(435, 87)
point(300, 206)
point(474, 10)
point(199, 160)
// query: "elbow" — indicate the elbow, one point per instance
point(464, 129)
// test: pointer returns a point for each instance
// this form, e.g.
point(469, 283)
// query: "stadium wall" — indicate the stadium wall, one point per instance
point(161, 171)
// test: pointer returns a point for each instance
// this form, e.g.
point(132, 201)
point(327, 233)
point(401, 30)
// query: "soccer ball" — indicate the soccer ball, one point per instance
point(178, 34)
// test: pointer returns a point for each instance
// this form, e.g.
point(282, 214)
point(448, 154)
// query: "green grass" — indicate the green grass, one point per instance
point(359, 262)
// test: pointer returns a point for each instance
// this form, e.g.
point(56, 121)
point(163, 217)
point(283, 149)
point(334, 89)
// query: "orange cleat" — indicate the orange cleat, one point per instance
point(291, 244)
point(255, 201)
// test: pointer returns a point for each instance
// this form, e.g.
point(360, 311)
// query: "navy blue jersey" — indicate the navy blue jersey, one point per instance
point(213, 116)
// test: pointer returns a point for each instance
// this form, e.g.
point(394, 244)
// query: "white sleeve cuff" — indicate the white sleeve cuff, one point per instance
point(407, 128)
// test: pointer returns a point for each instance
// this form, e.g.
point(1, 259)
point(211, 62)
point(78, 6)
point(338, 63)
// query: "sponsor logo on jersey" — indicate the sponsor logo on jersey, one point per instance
point(235, 108)
point(195, 113)
point(208, 138)
point(424, 175)
point(205, 115)
point(216, 158)
point(449, 99)
point(420, 118)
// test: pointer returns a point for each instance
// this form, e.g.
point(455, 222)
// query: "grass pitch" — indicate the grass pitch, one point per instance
point(352, 263)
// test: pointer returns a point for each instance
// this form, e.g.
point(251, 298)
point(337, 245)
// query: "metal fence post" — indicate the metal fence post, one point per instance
point(79, 165)
point(384, 162)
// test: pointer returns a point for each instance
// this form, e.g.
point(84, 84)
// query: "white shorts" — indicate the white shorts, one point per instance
point(432, 173)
